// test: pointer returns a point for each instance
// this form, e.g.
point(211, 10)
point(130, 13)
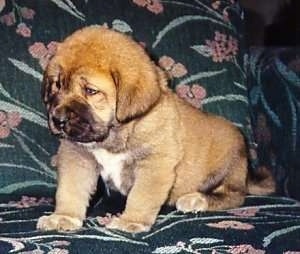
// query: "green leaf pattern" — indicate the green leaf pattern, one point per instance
point(181, 35)
point(214, 80)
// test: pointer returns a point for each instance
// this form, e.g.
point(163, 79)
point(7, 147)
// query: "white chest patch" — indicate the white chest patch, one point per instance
point(112, 164)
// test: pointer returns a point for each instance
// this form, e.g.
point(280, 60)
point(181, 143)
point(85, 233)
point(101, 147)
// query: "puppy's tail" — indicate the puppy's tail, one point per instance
point(261, 182)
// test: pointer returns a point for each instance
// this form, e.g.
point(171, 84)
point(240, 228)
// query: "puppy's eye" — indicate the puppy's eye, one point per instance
point(90, 91)
point(57, 84)
point(54, 88)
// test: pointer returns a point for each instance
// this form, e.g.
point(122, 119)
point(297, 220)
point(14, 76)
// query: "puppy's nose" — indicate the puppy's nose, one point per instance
point(60, 121)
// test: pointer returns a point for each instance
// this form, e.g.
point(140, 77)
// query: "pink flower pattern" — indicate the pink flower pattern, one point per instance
point(36, 251)
point(58, 251)
point(222, 47)
point(173, 69)
point(23, 30)
point(226, 16)
point(60, 243)
point(154, 6)
point(19, 13)
point(193, 94)
point(226, 224)
point(8, 19)
point(216, 5)
point(245, 249)
point(27, 13)
point(26, 202)
point(242, 212)
point(8, 121)
point(43, 53)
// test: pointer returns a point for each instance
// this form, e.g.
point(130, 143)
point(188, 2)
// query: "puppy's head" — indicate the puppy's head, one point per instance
point(98, 78)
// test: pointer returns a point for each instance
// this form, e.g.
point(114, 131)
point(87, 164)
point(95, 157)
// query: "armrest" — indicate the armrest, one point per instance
point(274, 92)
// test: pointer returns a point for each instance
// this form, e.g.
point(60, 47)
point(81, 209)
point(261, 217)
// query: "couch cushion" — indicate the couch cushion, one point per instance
point(274, 81)
point(199, 43)
point(262, 225)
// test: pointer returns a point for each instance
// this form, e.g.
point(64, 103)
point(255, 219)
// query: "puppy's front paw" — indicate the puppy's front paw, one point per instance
point(128, 226)
point(192, 202)
point(59, 223)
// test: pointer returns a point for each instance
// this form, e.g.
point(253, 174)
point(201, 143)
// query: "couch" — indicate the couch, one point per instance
point(201, 45)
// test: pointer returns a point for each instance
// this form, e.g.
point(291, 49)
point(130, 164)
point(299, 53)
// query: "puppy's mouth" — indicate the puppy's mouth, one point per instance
point(81, 132)
point(76, 126)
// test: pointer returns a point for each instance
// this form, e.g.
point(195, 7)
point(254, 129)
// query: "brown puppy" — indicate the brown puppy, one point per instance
point(110, 105)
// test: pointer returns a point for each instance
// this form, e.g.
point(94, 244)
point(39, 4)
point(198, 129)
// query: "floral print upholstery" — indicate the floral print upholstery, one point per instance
point(274, 82)
point(200, 45)
point(263, 225)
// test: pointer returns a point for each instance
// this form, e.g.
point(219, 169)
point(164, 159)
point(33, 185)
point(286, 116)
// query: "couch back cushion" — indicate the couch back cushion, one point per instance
point(274, 82)
point(199, 43)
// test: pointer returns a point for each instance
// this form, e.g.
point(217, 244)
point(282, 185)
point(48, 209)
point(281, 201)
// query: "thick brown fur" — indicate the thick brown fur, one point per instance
point(136, 134)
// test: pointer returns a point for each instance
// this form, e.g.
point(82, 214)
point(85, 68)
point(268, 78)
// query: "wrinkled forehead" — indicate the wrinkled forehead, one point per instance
point(70, 76)
point(84, 76)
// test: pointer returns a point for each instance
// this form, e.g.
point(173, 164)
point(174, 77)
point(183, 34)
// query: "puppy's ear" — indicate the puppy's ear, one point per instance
point(52, 81)
point(135, 96)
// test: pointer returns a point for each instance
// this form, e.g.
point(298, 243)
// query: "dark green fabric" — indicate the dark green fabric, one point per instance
point(274, 88)
point(263, 225)
point(199, 43)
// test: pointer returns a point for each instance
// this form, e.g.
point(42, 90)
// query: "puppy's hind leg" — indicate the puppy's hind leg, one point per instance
point(200, 202)
point(77, 178)
point(228, 192)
